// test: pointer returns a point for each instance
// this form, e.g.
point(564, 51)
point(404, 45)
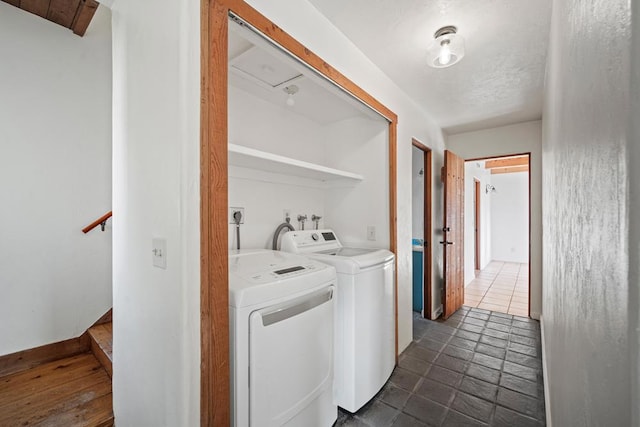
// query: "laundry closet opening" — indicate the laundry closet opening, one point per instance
point(257, 157)
point(304, 155)
point(497, 234)
point(301, 150)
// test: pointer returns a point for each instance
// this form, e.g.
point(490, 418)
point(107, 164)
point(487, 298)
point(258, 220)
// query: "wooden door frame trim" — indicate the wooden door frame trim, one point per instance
point(528, 154)
point(477, 189)
point(214, 293)
point(427, 287)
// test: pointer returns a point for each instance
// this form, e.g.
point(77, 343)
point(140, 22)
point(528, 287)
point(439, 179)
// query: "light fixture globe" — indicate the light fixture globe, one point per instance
point(446, 49)
point(290, 91)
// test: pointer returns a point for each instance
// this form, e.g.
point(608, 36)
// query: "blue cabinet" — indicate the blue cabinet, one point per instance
point(418, 274)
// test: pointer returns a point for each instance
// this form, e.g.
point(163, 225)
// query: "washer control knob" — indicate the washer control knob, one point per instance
point(315, 236)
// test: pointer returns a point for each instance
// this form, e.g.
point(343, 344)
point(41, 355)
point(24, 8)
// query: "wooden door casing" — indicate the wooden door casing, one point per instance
point(476, 224)
point(453, 233)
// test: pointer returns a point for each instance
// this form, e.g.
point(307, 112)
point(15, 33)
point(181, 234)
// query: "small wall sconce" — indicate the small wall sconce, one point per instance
point(490, 188)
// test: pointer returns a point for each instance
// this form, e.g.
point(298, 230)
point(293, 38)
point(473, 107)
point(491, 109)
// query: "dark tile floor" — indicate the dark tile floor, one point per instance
point(477, 368)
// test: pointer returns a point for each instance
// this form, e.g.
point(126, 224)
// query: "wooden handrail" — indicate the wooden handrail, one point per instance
point(100, 221)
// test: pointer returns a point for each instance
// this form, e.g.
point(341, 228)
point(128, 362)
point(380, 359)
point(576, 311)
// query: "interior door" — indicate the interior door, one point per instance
point(453, 233)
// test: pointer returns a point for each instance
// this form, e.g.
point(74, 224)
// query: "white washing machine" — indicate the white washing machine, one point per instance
point(281, 313)
point(365, 338)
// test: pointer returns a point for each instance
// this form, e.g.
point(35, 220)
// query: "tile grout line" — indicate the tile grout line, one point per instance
point(488, 289)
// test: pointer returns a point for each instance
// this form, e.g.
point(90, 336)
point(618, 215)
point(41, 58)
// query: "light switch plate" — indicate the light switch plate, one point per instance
point(371, 232)
point(159, 252)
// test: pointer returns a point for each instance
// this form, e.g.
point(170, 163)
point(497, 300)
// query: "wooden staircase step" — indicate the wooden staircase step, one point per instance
point(102, 344)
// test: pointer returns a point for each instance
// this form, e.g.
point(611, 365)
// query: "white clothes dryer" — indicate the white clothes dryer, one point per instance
point(281, 314)
point(365, 338)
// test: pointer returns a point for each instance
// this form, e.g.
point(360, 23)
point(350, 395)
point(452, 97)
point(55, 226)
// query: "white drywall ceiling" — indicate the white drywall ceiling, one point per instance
point(259, 68)
point(498, 82)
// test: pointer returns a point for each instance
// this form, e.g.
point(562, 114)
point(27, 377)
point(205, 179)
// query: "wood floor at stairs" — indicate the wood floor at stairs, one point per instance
point(75, 391)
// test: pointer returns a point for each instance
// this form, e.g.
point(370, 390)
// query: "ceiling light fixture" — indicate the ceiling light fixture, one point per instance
point(291, 90)
point(447, 48)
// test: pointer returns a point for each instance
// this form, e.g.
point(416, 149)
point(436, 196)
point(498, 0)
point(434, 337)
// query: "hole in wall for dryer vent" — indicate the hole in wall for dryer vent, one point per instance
point(232, 211)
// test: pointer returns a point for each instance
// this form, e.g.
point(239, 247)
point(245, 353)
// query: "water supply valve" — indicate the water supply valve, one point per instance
point(301, 220)
point(315, 218)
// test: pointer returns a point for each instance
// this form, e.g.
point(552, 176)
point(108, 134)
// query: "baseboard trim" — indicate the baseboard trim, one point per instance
point(27, 359)
point(106, 318)
point(438, 312)
point(545, 377)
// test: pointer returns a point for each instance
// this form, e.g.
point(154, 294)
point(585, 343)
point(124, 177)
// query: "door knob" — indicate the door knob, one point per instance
point(447, 243)
point(446, 229)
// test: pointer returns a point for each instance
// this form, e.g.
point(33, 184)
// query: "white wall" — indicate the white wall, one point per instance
point(307, 25)
point(510, 217)
point(475, 171)
point(356, 145)
point(258, 124)
point(156, 188)
point(634, 216)
point(55, 169)
point(586, 215)
point(417, 193)
point(514, 139)
point(264, 196)
point(360, 146)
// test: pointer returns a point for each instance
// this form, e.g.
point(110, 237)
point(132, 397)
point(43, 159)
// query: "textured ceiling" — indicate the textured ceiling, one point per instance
point(498, 82)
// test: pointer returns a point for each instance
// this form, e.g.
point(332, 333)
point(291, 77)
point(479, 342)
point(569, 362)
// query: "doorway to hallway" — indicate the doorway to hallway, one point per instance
point(497, 234)
point(421, 229)
point(502, 287)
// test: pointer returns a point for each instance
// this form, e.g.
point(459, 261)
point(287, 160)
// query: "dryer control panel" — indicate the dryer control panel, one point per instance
point(283, 272)
point(260, 275)
point(302, 241)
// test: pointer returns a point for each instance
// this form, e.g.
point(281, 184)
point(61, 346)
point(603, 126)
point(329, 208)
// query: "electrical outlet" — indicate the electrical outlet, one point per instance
point(371, 232)
point(286, 213)
point(159, 251)
point(233, 211)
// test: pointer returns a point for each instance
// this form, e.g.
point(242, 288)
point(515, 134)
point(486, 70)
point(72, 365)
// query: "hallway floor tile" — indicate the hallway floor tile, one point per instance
point(477, 368)
point(502, 287)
